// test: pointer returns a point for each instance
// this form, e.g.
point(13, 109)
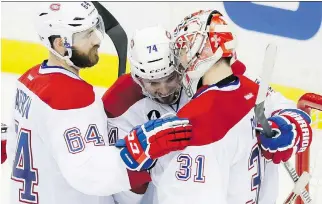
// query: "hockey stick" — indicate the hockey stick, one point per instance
point(268, 66)
point(299, 188)
point(117, 34)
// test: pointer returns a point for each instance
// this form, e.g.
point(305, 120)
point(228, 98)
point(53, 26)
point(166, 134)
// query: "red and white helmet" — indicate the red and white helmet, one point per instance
point(66, 19)
point(201, 39)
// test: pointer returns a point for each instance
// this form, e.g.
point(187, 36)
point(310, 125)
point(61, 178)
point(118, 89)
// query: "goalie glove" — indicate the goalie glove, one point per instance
point(292, 134)
point(149, 141)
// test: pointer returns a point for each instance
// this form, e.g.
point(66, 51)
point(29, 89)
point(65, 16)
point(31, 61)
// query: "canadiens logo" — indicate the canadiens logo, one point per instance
point(55, 7)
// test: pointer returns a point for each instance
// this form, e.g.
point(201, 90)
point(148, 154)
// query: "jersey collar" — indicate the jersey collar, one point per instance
point(45, 69)
point(230, 83)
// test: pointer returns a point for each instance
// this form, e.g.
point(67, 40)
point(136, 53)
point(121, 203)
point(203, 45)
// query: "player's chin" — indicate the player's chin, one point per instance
point(94, 59)
point(93, 56)
point(166, 100)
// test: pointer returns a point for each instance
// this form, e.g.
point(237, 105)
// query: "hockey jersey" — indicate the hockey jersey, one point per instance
point(127, 107)
point(223, 164)
point(61, 145)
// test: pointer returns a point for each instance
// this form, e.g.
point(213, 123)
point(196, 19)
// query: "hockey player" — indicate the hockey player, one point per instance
point(151, 90)
point(61, 151)
point(225, 165)
point(147, 94)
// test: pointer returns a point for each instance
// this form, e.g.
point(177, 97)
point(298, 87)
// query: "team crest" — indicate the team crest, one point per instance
point(55, 7)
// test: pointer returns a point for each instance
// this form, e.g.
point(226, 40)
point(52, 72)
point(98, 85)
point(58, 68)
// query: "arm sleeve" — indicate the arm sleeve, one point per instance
point(275, 101)
point(77, 140)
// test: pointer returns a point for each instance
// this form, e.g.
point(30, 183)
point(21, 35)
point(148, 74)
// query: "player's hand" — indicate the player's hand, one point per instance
point(292, 134)
point(147, 142)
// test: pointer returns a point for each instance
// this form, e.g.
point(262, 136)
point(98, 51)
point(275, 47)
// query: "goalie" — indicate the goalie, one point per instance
point(224, 163)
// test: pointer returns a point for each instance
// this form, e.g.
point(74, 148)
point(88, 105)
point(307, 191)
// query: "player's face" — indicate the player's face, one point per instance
point(165, 90)
point(181, 60)
point(186, 60)
point(85, 48)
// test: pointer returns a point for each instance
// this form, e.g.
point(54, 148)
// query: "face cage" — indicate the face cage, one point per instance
point(159, 99)
point(184, 46)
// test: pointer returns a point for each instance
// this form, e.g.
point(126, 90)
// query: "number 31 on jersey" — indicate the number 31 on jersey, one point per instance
point(187, 163)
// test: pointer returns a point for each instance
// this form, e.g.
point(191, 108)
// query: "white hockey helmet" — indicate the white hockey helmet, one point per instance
point(150, 54)
point(151, 60)
point(201, 40)
point(67, 19)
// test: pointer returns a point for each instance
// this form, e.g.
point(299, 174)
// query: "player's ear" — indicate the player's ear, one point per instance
point(58, 45)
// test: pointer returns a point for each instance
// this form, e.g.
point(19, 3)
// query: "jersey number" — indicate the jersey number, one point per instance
point(152, 48)
point(184, 172)
point(254, 162)
point(23, 170)
point(75, 142)
point(85, 4)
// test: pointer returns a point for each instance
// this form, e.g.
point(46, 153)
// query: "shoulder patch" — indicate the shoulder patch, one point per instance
point(58, 90)
point(121, 96)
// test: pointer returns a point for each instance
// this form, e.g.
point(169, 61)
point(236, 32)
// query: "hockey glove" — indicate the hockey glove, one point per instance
point(147, 142)
point(292, 134)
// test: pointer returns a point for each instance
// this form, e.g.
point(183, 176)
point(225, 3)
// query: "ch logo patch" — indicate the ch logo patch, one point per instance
point(154, 114)
point(55, 7)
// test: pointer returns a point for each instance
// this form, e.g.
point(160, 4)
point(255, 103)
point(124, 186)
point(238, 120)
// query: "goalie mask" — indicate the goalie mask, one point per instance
point(75, 23)
point(201, 40)
point(152, 65)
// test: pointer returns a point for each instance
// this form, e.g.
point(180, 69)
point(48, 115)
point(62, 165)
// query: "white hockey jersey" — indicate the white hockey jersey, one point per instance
point(223, 164)
point(180, 177)
point(61, 149)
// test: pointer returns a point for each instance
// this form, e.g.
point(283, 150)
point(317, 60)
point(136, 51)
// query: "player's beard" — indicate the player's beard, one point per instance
point(82, 60)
